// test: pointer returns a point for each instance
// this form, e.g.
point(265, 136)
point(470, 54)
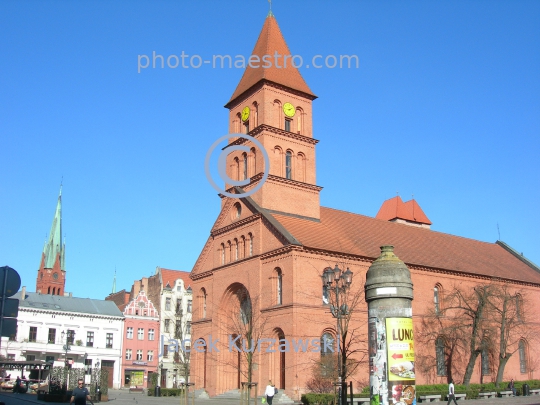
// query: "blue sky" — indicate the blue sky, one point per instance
point(445, 105)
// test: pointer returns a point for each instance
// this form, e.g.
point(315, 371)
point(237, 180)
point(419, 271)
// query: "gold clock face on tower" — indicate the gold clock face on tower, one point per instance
point(289, 109)
point(245, 114)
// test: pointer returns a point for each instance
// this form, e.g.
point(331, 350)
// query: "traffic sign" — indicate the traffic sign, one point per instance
point(13, 281)
point(11, 308)
point(9, 327)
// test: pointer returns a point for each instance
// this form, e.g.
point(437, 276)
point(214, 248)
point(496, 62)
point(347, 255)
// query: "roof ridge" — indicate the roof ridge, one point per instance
point(411, 227)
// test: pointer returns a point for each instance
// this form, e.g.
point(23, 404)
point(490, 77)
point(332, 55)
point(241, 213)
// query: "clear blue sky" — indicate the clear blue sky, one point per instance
point(445, 105)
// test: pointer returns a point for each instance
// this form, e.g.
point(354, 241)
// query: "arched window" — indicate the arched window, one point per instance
point(522, 349)
point(244, 166)
point(278, 112)
point(440, 356)
point(327, 344)
point(49, 290)
point(245, 306)
point(202, 303)
point(301, 167)
point(222, 254)
point(327, 351)
point(243, 247)
point(519, 308)
point(237, 122)
point(230, 251)
point(59, 293)
point(236, 174)
point(288, 165)
point(255, 114)
point(253, 164)
point(325, 295)
point(237, 210)
point(437, 291)
point(236, 249)
point(277, 162)
point(299, 119)
point(484, 356)
point(250, 245)
point(279, 286)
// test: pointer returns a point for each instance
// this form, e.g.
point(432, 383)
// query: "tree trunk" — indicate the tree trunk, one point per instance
point(470, 368)
point(500, 368)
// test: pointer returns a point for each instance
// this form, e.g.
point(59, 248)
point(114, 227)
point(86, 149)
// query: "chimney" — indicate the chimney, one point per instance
point(23, 293)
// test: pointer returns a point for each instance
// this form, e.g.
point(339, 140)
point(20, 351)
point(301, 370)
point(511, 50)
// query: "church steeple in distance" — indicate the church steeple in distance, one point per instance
point(51, 277)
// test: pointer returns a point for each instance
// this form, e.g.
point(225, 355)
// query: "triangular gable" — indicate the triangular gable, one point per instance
point(249, 208)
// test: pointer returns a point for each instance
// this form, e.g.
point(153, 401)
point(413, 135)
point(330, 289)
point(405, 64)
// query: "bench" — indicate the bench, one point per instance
point(458, 396)
point(486, 395)
point(535, 391)
point(506, 394)
point(136, 389)
point(359, 401)
point(430, 398)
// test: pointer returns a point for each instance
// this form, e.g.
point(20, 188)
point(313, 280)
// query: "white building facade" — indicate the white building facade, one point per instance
point(175, 319)
point(92, 328)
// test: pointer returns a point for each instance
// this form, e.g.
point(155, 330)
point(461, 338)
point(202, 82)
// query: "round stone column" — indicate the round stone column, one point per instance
point(389, 295)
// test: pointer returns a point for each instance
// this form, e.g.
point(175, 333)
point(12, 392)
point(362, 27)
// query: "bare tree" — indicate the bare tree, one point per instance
point(182, 332)
point(440, 332)
point(348, 351)
point(247, 326)
point(463, 323)
point(507, 309)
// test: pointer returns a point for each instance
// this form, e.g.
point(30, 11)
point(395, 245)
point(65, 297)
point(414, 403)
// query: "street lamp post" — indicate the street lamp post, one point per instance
point(66, 347)
point(338, 283)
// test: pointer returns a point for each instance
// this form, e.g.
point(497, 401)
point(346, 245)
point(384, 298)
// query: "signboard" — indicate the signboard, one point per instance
point(140, 363)
point(137, 378)
point(377, 362)
point(401, 369)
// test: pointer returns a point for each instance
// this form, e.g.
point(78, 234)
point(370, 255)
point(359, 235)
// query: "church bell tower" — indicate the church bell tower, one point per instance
point(51, 277)
point(273, 104)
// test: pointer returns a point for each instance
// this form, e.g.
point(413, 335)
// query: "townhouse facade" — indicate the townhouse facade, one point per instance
point(82, 332)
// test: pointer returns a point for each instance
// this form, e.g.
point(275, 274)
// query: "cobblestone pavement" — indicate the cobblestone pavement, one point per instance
point(124, 397)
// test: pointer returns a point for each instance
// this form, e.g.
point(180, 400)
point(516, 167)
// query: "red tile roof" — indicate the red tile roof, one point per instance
point(354, 234)
point(170, 277)
point(270, 41)
point(396, 208)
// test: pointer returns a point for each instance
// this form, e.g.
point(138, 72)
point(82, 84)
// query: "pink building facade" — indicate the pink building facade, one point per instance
point(140, 342)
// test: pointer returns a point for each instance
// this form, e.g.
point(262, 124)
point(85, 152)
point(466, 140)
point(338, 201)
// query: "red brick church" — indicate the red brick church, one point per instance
point(274, 245)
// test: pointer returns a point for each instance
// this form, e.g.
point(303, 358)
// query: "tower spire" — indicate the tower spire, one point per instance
point(114, 282)
point(51, 273)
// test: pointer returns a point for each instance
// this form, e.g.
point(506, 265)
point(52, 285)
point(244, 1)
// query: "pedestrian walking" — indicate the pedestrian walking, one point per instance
point(270, 392)
point(80, 394)
point(17, 386)
point(451, 393)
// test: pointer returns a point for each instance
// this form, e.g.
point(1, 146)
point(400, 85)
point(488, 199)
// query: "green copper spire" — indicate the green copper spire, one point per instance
point(54, 246)
point(114, 283)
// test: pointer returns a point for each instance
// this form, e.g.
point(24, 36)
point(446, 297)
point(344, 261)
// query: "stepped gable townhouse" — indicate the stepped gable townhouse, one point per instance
point(140, 342)
point(276, 243)
point(169, 292)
